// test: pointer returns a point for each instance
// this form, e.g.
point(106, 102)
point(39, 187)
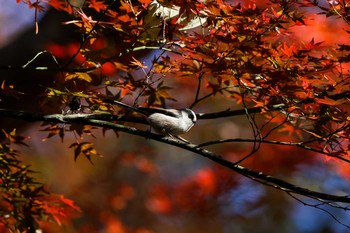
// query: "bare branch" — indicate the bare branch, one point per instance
point(293, 144)
point(230, 113)
point(317, 206)
point(87, 119)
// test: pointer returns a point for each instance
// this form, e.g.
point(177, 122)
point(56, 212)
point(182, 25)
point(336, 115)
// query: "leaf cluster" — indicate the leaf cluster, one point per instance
point(293, 94)
point(24, 201)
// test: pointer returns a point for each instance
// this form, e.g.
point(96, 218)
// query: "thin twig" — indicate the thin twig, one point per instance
point(292, 144)
point(319, 208)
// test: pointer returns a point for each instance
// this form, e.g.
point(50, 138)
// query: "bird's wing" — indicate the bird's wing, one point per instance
point(167, 112)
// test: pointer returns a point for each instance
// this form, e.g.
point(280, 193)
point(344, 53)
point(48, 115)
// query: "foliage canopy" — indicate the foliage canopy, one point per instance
point(262, 61)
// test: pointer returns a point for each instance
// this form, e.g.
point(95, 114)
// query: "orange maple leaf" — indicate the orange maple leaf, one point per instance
point(97, 5)
point(329, 101)
point(60, 5)
point(145, 3)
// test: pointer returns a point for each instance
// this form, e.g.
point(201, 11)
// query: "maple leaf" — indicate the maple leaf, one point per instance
point(121, 66)
point(85, 148)
point(60, 5)
point(291, 130)
point(14, 138)
point(145, 3)
point(69, 203)
point(58, 207)
point(79, 75)
point(83, 129)
point(329, 101)
point(97, 5)
point(54, 130)
point(288, 50)
point(138, 63)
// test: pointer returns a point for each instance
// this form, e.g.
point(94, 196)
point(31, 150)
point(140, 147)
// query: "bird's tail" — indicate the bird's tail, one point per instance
point(124, 106)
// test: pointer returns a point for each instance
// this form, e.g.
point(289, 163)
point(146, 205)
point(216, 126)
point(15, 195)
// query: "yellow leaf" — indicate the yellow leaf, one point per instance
point(138, 63)
point(121, 66)
point(79, 75)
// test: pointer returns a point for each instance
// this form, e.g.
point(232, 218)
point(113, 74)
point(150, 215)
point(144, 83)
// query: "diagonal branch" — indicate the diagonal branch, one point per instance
point(88, 119)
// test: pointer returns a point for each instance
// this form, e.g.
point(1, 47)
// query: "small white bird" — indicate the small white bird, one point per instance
point(170, 122)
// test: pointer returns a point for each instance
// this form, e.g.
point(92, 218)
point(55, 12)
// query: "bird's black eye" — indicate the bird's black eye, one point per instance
point(191, 115)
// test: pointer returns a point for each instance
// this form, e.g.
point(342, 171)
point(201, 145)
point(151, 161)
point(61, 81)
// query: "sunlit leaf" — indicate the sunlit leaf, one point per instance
point(329, 101)
point(80, 76)
point(85, 148)
point(97, 5)
point(138, 63)
point(14, 138)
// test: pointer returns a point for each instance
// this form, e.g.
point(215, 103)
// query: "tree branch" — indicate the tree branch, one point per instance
point(88, 119)
point(82, 69)
point(229, 113)
point(281, 106)
point(280, 143)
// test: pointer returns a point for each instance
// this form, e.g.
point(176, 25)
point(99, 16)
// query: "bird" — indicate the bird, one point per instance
point(169, 122)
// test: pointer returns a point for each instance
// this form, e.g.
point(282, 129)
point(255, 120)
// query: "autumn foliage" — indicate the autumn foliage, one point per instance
point(269, 81)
